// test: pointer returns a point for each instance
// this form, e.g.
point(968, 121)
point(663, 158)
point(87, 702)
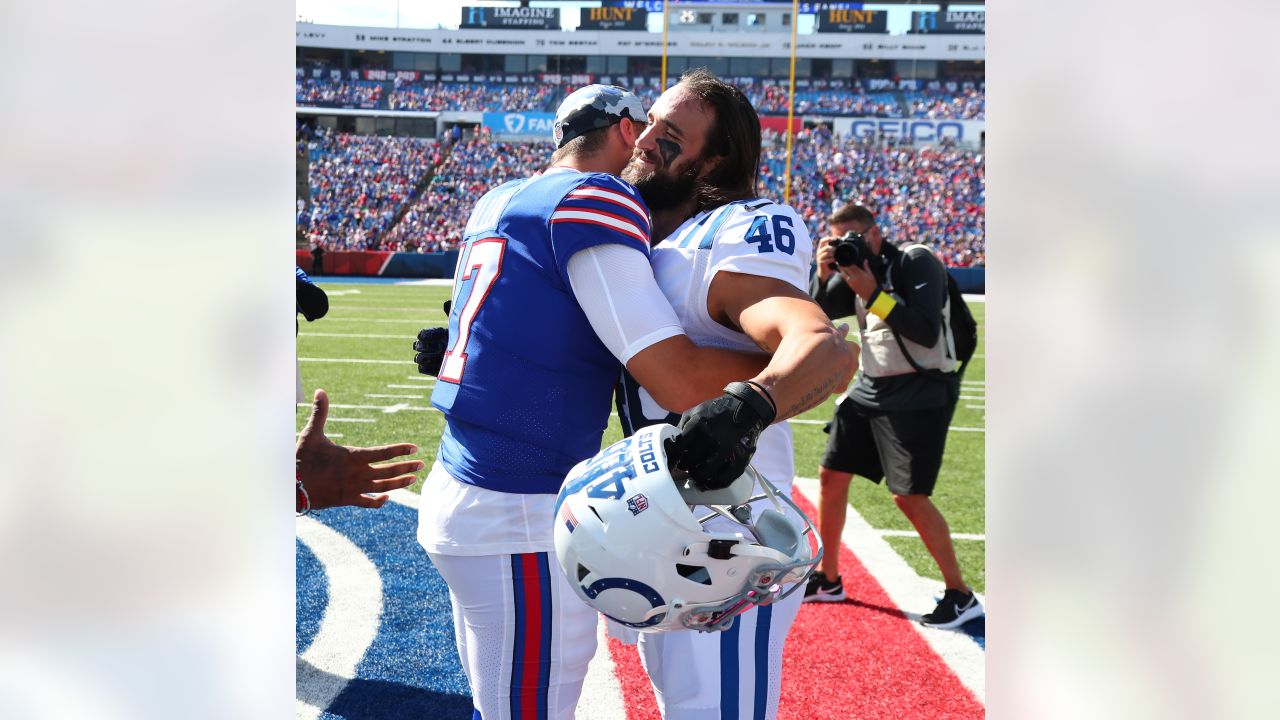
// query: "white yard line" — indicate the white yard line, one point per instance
point(350, 420)
point(403, 397)
point(357, 335)
point(975, 407)
point(384, 408)
point(350, 619)
point(601, 686)
point(359, 360)
point(333, 319)
point(432, 282)
point(412, 387)
point(912, 533)
point(954, 428)
point(391, 308)
point(911, 593)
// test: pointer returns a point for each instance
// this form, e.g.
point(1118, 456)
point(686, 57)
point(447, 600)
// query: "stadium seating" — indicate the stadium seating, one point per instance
point(322, 93)
point(949, 101)
point(358, 185)
point(938, 99)
point(475, 97)
point(434, 221)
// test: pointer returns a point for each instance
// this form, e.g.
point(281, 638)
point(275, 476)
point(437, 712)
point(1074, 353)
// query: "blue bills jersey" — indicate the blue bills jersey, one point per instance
point(525, 385)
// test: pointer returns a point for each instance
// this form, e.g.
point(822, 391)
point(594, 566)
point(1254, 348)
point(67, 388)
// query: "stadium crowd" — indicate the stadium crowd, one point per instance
point(317, 91)
point(474, 97)
point(968, 101)
point(933, 195)
point(937, 100)
point(434, 221)
point(358, 184)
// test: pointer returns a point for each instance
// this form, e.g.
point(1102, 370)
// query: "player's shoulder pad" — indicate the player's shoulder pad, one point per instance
point(507, 187)
point(605, 181)
point(744, 213)
point(765, 206)
point(508, 184)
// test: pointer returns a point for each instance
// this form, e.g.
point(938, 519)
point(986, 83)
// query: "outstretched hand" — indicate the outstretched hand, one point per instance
point(336, 475)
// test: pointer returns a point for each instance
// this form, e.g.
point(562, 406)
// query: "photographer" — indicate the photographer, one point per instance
point(893, 420)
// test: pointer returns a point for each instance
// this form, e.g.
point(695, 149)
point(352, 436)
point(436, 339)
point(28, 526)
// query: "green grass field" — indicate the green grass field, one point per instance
point(361, 353)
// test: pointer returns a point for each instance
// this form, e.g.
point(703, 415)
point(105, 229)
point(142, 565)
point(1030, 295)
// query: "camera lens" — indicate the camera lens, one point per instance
point(846, 253)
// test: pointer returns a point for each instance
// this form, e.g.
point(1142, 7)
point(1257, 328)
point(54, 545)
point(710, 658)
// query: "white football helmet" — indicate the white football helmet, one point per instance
point(628, 541)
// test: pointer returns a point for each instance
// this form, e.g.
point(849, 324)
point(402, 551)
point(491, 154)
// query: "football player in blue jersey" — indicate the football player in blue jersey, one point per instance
point(736, 270)
point(553, 294)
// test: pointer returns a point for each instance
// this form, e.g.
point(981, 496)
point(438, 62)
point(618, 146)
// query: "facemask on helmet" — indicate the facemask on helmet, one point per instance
point(628, 540)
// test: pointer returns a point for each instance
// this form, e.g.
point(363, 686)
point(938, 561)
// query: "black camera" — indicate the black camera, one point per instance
point(852, 249)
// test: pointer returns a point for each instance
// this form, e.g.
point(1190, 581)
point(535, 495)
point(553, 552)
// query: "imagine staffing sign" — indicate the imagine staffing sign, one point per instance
point(511, 18)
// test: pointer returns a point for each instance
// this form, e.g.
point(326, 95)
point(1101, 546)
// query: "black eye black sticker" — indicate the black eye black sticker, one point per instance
point(670, 151)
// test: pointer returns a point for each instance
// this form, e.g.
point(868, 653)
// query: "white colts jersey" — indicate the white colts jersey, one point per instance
point(724, 675)
point(752, 237)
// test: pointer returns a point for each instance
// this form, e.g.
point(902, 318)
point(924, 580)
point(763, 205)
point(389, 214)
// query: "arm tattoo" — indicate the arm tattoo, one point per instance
point(813, 398)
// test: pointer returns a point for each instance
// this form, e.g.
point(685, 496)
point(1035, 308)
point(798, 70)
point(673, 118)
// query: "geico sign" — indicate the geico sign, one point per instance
point(910, 129)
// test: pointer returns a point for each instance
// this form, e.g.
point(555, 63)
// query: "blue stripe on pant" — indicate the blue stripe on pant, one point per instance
point(522, 592)
point(729, 671)
point(544, 652)
point(730, 668)
point(764, 618)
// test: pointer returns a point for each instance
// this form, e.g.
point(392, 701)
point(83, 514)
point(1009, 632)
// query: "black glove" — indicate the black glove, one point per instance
point(430, 346)
point(718, 437)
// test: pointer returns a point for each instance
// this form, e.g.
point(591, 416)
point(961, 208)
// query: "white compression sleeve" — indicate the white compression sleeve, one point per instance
point(614, 285)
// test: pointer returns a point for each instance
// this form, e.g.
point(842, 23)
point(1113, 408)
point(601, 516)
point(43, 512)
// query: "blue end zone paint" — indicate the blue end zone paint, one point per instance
point(411, 670)
point(312, 596)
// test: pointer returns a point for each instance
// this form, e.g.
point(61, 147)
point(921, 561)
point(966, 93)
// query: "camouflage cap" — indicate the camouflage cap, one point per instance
point(593, 107)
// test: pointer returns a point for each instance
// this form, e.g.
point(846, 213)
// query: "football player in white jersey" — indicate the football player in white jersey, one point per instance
point(735, 268)
point(486, 517)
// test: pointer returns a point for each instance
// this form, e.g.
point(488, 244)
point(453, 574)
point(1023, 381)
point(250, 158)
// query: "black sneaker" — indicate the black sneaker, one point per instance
point(954, 609)
point(820, 589)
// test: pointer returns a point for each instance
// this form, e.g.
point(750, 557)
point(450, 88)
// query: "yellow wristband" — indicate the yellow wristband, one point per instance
point(883, 305)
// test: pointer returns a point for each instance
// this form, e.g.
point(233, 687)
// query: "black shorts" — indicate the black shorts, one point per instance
point(906, 447)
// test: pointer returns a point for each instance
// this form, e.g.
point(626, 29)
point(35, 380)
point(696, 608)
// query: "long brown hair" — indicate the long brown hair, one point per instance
point(734, 137)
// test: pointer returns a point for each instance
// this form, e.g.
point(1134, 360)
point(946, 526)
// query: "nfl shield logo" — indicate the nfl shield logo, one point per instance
point(638, 504)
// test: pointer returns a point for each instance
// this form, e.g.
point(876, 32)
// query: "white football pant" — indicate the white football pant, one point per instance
point(524, 637)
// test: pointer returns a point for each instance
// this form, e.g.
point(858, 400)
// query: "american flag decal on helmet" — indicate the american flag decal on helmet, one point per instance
point(566, 516)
